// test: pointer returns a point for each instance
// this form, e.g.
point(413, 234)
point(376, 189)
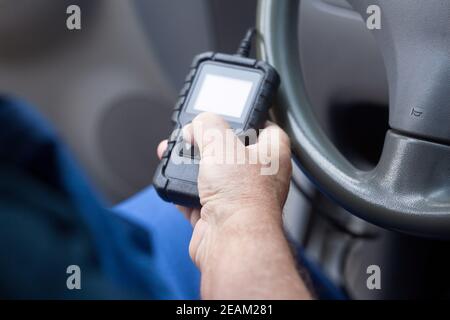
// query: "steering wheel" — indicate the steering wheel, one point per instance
point(409, 189)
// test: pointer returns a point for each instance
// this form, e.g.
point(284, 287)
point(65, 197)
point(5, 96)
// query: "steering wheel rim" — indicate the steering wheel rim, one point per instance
point(406, 191)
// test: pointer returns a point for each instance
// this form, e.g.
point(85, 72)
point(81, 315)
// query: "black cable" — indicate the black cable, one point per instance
point(246, 43)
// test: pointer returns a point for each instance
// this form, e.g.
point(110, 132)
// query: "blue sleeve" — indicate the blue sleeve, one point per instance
point(50, 217)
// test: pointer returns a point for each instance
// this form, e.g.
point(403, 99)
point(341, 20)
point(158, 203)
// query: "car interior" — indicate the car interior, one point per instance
point(110, 91)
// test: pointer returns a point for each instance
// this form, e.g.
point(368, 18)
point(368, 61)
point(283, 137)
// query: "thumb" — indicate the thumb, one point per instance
point(209, 131)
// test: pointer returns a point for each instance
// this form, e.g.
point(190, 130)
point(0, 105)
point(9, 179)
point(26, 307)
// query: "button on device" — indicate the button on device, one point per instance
point(188, 150)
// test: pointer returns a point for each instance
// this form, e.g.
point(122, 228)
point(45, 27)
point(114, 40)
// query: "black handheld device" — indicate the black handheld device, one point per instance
point(236, 87)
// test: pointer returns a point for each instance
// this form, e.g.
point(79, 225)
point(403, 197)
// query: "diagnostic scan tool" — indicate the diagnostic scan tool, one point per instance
point(238, 88)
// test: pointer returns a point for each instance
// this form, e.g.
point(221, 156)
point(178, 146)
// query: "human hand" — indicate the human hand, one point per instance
point(236, 195)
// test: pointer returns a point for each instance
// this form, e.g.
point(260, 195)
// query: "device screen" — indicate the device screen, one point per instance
point(223, 95)
point(227, 91)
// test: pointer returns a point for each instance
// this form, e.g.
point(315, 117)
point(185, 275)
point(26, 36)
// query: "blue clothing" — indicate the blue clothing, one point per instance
point(50, 218)
point(170, 235)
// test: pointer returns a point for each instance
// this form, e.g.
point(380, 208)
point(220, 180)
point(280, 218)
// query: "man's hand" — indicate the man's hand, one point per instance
point(225, 190)
point(241, 207)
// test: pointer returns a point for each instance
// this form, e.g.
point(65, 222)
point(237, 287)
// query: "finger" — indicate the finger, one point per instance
point(185, 211)
point(273, 149)
point(273, 134)
point(209, 131)
point(161, 148)
point(191, 214)
point(188, 135)
point(195, 216)
point(268, 123)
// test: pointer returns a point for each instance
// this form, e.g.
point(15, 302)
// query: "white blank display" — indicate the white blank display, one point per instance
point(223, 95)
